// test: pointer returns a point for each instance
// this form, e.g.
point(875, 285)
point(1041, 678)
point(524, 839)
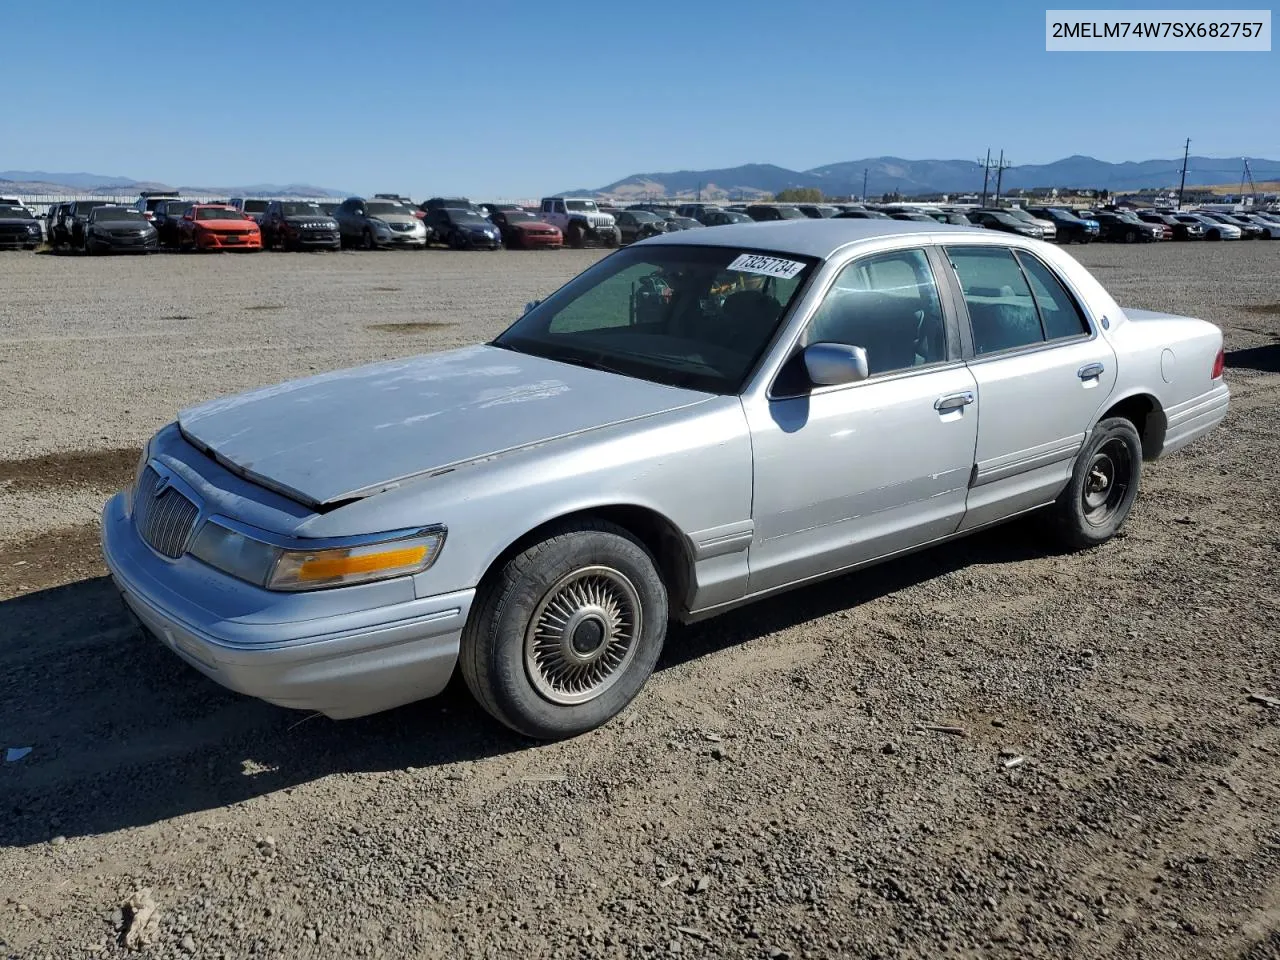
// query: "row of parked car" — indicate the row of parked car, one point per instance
point(164, 220)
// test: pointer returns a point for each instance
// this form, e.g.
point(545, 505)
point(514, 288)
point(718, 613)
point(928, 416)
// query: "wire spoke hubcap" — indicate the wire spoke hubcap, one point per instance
point(583, 635)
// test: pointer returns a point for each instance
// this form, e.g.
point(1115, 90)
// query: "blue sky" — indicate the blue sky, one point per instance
point(499, 99)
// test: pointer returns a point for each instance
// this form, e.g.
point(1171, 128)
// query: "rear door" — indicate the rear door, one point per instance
point(1043, 373)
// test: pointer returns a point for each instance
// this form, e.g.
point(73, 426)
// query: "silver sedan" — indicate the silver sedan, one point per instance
point(695, 422)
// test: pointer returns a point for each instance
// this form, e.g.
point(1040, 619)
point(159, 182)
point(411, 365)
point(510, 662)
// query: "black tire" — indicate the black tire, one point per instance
point(576, 236)
point(611, 240)
point(515, 679)
point(1130, 236)
point(1213, 235)
point(1103, 487)
point(366, 239)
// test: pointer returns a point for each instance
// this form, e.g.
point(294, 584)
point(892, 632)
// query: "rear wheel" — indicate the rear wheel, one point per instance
point(366, 239)
point(1214, 235)
point(1103, 487)
point(563, 637)
point(1130, 236)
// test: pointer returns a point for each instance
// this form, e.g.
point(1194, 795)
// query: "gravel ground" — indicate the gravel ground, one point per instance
point(771, 794)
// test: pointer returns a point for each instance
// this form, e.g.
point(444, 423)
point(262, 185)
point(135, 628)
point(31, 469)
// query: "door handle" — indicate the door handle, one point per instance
point(1090, 371)
point(953, 401)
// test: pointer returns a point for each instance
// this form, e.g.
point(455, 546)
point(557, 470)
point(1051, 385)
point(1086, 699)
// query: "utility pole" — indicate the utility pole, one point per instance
point(1182, 184)
point(1001, 167)
point(699, 192)
point(864, 184)
point(986, 173)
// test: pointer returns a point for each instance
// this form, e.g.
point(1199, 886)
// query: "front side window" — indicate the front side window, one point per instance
point(689, 316)
point(887, 304)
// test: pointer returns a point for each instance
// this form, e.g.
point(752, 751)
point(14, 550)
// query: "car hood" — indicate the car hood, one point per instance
point(396, 218)
point(122, 224)
point(353, 433)
point(329, 222)
point(531, 225)
point(8, 220)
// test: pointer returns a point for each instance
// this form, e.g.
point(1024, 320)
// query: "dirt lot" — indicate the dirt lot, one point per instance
point(769, 795)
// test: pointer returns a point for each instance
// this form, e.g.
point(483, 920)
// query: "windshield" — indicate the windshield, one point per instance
point(684, 315)
point(380, 208)
point(19, 212)
point(116, 214)
point(218, 213)
point(1062, 214)
point(587, 205)
point(153, 202)
point(256, 206)
point(301, 210)
point(466, 216)
point(732, 217)
point(1018, 215)
point(789, 213)
point(644, 216)
point(518, 216)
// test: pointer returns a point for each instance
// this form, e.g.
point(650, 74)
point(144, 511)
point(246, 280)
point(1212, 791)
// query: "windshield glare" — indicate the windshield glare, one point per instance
point(669, 314)
point(587, 205)
point(218, 213)
point(116, 214)
point(301, 210)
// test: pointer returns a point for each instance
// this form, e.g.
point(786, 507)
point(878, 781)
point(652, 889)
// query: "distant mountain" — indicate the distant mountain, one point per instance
point(910, 177)
point(42, 182)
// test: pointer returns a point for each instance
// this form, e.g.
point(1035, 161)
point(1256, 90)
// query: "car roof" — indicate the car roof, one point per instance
point(808, 238)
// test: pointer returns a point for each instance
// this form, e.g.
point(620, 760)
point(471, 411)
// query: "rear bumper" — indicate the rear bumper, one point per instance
point(344, 664)
point(1193, 419)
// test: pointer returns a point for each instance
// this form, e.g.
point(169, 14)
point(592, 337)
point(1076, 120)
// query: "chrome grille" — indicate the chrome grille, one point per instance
point(164, 517)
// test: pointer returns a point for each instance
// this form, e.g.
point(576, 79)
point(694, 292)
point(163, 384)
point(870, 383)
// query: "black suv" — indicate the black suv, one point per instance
point(18, 227)
point(166, 217)
point(1071, 229)
point(299, 225)
point(76, 217)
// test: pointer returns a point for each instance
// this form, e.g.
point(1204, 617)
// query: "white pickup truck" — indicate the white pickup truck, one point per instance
point(581, 221)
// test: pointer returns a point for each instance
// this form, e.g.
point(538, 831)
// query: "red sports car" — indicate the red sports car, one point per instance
point(522, 229)
point(214, 226)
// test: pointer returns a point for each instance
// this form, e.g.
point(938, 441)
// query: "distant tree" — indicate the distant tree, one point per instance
point(799, 195)
point(894, 197)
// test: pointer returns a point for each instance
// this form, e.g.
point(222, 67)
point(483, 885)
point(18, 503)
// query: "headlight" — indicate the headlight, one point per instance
point(279, 567)
point(137, 476)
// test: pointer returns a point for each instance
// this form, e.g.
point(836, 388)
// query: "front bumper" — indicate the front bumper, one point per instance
point(530, 240)
point(317, 240)
point(342, 663)
point(121, 244)
point(395, 239)
point(218, 241)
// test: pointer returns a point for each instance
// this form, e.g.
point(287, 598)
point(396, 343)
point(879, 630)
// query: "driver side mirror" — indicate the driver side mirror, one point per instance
point(831, 364)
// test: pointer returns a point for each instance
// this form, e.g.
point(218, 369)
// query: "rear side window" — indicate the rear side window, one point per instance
point(1059, 313)
point(1002, 311)
point(1014, 300)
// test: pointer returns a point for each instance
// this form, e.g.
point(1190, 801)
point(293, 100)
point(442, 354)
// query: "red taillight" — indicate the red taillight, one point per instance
point(1219, 362)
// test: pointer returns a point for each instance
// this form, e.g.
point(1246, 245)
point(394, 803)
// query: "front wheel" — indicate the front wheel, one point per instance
point(366, 239)
point(1104, 484)
point(1130, 236)
point(576, 236)
point(563, 637)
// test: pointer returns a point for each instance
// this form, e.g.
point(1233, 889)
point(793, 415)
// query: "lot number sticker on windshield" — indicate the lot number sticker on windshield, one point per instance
point(768, 266)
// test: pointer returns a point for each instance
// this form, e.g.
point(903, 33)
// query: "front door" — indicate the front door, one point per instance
point(1042, 374)
point(850, 473)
